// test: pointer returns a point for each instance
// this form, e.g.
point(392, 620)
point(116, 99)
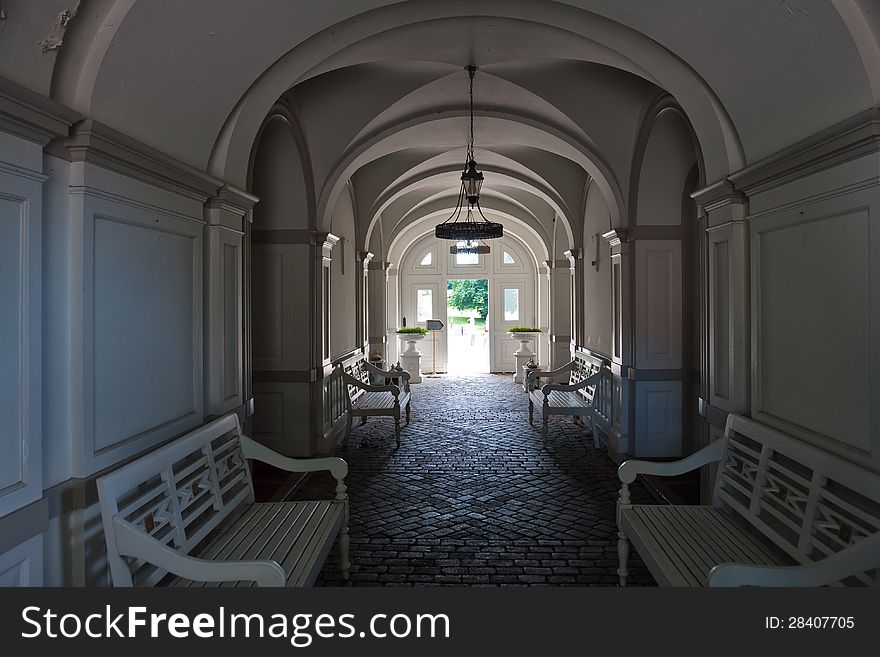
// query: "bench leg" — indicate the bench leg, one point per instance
point(531, 411)
point(397, 423)
point(407, 412)
point(363, 420)
point(344, 542)
point(622, 541)
point(622, 557)
point(544, 427)
point(347, 431)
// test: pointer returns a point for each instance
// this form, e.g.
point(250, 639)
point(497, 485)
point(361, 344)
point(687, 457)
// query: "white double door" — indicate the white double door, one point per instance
point(512, 302)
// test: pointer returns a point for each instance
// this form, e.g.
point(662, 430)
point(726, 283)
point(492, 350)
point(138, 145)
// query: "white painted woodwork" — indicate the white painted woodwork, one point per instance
point(658, 326)
point(520, 275)
point(21, 475)
point(223, 320)
point(783, 514)
point(813, 276)
point(160, 508)
point(22, 566)
point(142, 278)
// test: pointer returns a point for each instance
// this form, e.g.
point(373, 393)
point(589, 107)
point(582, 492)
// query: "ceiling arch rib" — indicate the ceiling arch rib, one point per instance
point(424, 225)
point(445, 179)
point(441, 207)
point(493, 129)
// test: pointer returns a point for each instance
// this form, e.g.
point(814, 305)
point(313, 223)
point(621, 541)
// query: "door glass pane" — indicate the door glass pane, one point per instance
point(508, 259)
point(426, 261)
point(511, 305)
point(424, 305)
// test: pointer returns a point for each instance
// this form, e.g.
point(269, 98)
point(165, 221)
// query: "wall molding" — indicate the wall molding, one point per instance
point(97, 144)
point(22, 172)
point(87, 190)
point(848, 140)
point(32, 116)
point(857, 136)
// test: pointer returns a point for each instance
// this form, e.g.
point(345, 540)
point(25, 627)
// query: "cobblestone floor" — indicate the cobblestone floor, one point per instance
point(471, 497)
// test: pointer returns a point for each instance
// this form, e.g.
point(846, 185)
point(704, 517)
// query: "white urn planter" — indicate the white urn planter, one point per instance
point(411, 358)
point(524, 354)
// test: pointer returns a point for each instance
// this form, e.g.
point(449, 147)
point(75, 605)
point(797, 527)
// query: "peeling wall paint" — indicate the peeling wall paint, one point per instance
point(56, 36)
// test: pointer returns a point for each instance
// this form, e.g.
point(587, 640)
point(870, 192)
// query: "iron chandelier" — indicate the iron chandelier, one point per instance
point(469, 229)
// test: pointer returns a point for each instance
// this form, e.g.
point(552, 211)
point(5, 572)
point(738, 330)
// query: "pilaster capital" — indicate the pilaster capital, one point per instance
point(573, 256)
point(616, 237)
point(719, 194)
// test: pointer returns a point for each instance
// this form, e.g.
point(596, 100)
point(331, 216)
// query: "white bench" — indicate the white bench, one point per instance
point(784, 513)
point(188, 509)
point(576, 399)
point(369, 400)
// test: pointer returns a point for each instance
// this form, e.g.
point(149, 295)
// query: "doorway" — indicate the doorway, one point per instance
point(467, 334)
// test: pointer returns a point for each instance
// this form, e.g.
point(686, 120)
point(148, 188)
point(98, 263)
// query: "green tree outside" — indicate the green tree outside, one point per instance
point(467, 294)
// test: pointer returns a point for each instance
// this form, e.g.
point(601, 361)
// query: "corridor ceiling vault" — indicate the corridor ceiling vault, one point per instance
point(376, 88)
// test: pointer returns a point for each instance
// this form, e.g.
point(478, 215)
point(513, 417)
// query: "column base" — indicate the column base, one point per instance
point(412, 363)
point(521, 359)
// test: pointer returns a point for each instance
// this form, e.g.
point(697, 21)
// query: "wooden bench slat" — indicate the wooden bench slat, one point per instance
point(680, 549)
point(685, 542)
point(301, 566)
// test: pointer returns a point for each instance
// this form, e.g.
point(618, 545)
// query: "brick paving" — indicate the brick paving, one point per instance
point(472, 499)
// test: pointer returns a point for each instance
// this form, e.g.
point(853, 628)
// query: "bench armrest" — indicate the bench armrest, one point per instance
point(132, 542)
point(565, 368)
point(393, 389)
point(864, 555)
point(397, 374)
point(251, 449)
point(714, 451)
point(591, 380)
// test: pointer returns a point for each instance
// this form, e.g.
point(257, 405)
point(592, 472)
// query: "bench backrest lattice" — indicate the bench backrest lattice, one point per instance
point(177, 494)
point(808, 502)
point(584, 366)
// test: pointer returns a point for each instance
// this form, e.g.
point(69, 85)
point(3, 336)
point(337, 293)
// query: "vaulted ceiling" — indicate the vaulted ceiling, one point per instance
point(380, 93)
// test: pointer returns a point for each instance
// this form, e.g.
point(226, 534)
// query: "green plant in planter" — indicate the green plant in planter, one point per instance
point(523, 329)
point(420, 330)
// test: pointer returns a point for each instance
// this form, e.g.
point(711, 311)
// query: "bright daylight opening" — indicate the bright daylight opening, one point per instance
point(468, 334)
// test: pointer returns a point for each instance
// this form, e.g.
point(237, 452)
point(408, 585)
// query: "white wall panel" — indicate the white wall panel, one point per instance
point(142, 328)
point(658, 301)
point(280, 301)
point(658, 419)
point(813, 296)
point(23, 565)
point(20, 335)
